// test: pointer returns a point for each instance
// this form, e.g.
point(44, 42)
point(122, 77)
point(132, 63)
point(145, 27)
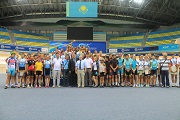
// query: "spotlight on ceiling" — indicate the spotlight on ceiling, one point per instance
point(138, 1)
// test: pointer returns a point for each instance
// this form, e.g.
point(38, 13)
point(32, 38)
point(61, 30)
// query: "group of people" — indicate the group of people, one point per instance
point(78, 67)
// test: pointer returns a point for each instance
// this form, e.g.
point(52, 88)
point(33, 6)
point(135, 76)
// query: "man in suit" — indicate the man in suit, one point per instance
point(71, 66)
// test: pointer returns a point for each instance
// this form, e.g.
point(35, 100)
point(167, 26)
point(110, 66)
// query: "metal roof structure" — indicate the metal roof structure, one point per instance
point(155, 12)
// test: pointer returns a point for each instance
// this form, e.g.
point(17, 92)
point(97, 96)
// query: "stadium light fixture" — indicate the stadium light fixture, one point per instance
point(138, 1)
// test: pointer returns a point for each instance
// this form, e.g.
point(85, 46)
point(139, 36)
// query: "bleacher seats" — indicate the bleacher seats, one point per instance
point(4, 36)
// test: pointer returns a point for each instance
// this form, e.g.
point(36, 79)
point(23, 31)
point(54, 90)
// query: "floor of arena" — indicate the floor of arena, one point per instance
point(89, 103)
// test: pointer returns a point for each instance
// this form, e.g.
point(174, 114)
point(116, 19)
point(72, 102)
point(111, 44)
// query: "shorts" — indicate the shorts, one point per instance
point(154, 72)
point(134, 73)
point(101, 74)
point(12, 71)
point(121, 71)
point(38, 72)
point(114, 73)
point(21, 73)
point(140, 72)
point(47, 71)
point(95, 73)
point(128, 72)
point(30, 73)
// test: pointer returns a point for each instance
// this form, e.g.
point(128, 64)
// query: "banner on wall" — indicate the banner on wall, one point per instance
point(19, 48)
point(169, 47)
point(99, 46)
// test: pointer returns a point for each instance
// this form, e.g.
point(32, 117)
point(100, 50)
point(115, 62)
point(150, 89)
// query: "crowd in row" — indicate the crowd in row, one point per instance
point(81, 68)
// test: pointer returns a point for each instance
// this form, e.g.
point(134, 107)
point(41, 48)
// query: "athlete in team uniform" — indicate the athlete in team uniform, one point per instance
point(22, 70)
point(12, 65)
point(134, 72)
point(128, 72)
point(120, 69)
point(30, 72)
point(47, 71)
point(154, 67)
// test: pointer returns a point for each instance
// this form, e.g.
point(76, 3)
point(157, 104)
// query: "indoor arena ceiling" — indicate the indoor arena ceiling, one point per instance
point(154, 12)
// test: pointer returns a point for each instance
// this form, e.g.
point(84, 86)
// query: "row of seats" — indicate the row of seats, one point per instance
point(4, 36)
point(153, 39)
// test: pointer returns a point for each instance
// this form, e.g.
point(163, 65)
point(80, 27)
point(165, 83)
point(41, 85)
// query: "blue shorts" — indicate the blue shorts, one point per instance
point(120, 71)
point(12, 71)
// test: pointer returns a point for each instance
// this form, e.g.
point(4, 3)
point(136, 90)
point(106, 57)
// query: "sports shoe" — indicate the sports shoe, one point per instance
point(53, 86)
point(167, 86)
point(5, 87)
point(141, 85)
point(29, 86)
point(58, 86)
point(39, 86)
point(36, 86)
point(23, 86)
point(134, 85)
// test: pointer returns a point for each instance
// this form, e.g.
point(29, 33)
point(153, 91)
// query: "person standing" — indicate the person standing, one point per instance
point(102, 71)
point(80, 71)
point(108, 71)
point(30, 68)
point(71, 68)
point(128, 72)
point(22, 70)
point(65, 63)
point(165, 68)
point(140, 71)
point(134, 72)
point(120, 69)
point(12, 65)
point(47, 70)
point(114, 67)
point(173, 70)
point(147, 70)
point(154, 67)
point(57, 64)
point(178, 63)
point(38, 72)
point(95, 72)
point(88, 64)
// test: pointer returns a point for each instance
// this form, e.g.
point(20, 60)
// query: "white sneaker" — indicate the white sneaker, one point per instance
point(58, 86)
point(28, 86)
point(141, 85)
point(134, 85)
point(53, 86)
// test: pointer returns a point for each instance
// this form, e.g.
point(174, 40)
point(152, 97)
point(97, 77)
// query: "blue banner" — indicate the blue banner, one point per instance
point(19, 48)
point(99, 46)
point(81, 9)
point(169, 47)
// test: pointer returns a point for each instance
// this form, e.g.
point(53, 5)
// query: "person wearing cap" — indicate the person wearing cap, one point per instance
point(120, 70)
point(174, 68)
point(114, 68)
point(12, 67)
point(178, 64)
point(164, 66)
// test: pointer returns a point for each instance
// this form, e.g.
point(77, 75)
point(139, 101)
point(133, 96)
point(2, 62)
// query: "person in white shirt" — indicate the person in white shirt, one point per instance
point(80, 71)
point(178, 63)
point(57, 62)
point(173, 70)
point(88, 65)
point(140, 68)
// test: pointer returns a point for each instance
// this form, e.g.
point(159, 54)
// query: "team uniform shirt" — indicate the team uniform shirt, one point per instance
point(38, 66)
point(131, 59)
point(57, 63)
point(31, 64)
point(63, 57)
point(12, 63)
point(47, 64)
point(165, 64)
point(134, 63)
point(120, 62)
point(140, 64)
point(127, 64)
point(65, 64)
point(88, 62)
point(107, 67)
point(154, 64)
point(22, 64)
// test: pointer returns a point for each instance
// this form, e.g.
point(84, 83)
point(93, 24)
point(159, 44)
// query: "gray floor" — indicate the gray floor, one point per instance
point(89, 103)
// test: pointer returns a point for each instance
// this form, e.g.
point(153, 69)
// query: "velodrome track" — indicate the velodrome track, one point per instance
point(89, 103)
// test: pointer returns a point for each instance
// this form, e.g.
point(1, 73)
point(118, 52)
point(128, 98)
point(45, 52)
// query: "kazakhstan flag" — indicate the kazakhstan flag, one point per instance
point(81, 9)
